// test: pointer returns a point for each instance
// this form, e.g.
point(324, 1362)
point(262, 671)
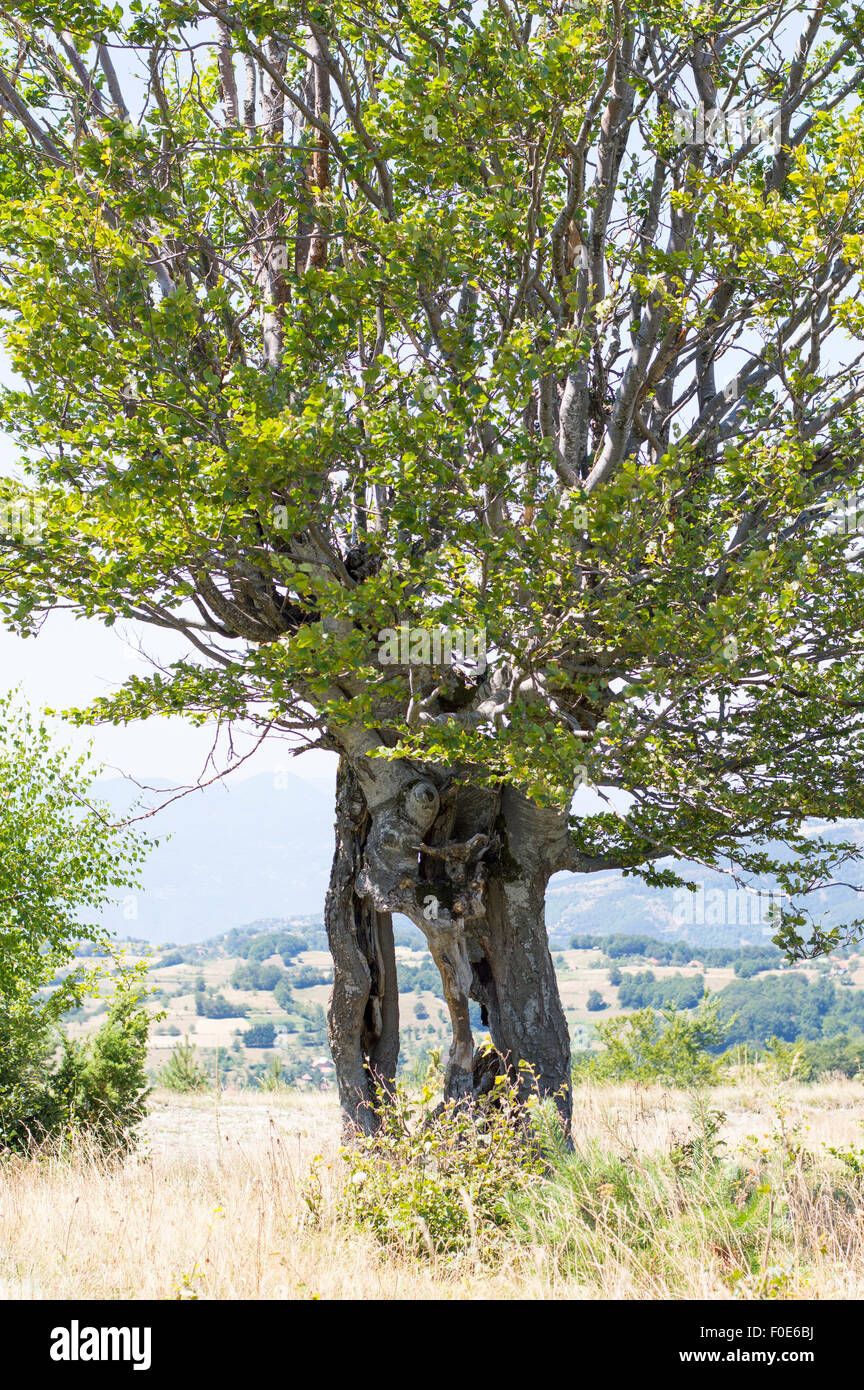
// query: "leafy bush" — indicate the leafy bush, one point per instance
point(60, 858)
point(442, 1184)
point(843, 1053)
point(184, 1071)
point(645, 1046)
point(26, 1047)
point(595, 1002)
point(98, 1087)
point(101, 1085)
point(644, 990)
point(808, 1061)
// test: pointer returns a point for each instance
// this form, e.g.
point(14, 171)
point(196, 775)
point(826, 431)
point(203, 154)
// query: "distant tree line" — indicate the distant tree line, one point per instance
point(789, 1007)
point(415, 979)
point(644, 990)
point(255, 976)
point(626, 945)
point(209, 1004)
point(843, 1053)
point(309, 975)
point(172, 958)
point(278, 943)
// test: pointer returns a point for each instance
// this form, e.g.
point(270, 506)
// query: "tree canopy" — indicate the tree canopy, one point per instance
point(332, 318)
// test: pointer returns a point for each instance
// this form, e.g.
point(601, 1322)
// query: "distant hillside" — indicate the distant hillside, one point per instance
point(718, 915)
point(240, 852)
point(231, 853)
point(255, 997)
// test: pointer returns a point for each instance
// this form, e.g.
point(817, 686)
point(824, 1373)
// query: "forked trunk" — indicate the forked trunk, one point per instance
point(469, 867)
point(363, 1015)
point(513, 979)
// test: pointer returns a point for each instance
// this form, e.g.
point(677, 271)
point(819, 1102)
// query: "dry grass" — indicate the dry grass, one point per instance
point(214, 1205)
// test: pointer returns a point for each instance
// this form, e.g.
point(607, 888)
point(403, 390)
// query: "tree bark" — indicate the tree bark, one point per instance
point(514, 981)
point(469, 866)
point(513, 977)
point(363, 1014)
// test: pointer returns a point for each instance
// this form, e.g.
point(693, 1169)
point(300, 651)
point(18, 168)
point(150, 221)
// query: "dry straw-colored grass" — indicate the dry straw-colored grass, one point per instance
point(216, 1204)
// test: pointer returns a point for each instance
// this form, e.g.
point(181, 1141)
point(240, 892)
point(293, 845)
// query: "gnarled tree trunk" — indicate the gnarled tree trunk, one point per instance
point(363, 1016)
point(469, 866)
point(514, 980)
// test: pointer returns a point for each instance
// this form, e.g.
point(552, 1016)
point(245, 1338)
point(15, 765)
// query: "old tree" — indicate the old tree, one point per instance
point(533, 319)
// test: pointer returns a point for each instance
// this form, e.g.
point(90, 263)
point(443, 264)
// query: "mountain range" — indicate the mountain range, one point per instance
point(228, 854)
point(236, 852)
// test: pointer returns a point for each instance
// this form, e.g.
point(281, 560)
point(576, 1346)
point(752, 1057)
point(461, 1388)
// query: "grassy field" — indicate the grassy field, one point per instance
point(423, 1016)
point(176, 1001)
point(242, 1196)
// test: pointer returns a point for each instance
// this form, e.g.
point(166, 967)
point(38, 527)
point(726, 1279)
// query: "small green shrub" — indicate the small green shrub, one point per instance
point(852, 1160)
point(101, 1085)
point(274, 1077)
point(442, 1183)
point(98, 1088)
point(184, 1071)
point(646, 1046)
